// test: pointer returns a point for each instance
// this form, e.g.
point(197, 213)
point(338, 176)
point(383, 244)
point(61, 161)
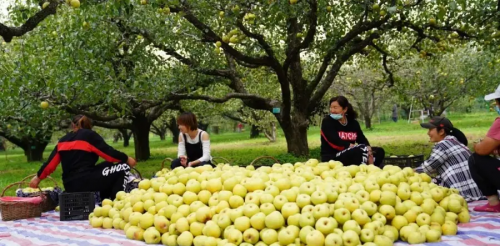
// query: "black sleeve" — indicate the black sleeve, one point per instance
point(105, 151)
point(50, 165)
point(331, 135)
point(361, 139)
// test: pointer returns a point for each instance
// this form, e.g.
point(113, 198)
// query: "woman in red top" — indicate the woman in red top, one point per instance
point(78, 151)
point(484, 163)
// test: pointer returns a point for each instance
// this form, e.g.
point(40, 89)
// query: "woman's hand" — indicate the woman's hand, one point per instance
point(193, 164)
point(370, 155)
point(131, 162)
point(183, 159)
point(35, 181)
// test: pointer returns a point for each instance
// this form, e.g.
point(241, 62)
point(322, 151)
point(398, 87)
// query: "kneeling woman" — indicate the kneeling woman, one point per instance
point(194, 143)
point(485, 162)
point(78, 151)
point(449, 158)
point(340, 131)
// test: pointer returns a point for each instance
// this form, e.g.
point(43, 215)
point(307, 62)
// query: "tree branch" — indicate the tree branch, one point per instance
point(359, 28)
point(169, 51)
point(155, 129)
point(159, 110)
point(12, 139)
point(309, 38)
point(384, 63)
point(8, 32)
point(113, 125)
point(259, 102)
point(259, 37)
point(211, 36)
point(327, 82)
point(93, 115)
point(233, 117)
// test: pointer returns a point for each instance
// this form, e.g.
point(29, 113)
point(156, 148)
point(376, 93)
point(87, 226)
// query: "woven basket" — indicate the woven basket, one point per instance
point(214, 159)
point(136, 173)
point(163, 162)
point(16, 210)
point(48, 204)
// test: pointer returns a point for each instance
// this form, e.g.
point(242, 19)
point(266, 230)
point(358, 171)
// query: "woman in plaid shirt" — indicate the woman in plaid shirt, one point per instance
point(449, 158)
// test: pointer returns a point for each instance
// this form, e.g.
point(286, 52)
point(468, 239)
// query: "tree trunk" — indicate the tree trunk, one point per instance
point(271, 135)
point(406, 110)
point(172, 126)
point(235, 126)
point(141, 128)
point(34, 147)
point(161, 130)
point(254, 132)
point(35, 152)
point(215, 129)
point(295, 130)
point(2, 144)
point(368, 121)
point(203, 126)
point(126, 137)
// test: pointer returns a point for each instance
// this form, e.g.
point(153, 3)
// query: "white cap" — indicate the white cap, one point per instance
point(493, 95)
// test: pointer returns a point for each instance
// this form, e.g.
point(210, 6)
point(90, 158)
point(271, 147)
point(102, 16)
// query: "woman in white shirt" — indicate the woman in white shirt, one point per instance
point(194, 143)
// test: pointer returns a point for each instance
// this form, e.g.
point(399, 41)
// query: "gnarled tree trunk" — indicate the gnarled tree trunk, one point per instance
point(141, 128)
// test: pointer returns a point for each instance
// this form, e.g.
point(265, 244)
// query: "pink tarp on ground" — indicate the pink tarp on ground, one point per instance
point(484, 230)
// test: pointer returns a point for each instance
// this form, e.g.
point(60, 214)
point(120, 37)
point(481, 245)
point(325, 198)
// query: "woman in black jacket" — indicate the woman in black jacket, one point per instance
point(78, 151)
point(342, 138)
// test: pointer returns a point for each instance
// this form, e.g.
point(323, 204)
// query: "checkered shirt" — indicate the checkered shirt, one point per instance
point(449, 159)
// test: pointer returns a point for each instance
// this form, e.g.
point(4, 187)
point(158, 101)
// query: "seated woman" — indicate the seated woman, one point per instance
point(194, 143)
point(449, 158)
point(484, 163)
point(340, 131)
point(78, 151)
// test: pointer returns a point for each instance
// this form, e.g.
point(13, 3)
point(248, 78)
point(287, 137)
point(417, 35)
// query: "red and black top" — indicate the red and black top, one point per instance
point(78, 152)
point(336, 137)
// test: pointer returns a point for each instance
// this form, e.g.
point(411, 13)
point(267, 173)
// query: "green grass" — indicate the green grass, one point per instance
point(396, 138)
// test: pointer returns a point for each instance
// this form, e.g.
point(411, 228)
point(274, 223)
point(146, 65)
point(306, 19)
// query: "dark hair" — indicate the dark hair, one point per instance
point(344, 103)
point(188, 119)
point(497, 100)
point(82, 122)
point(456, 133)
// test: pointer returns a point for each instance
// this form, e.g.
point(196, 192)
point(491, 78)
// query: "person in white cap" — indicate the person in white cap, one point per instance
point(484, 163)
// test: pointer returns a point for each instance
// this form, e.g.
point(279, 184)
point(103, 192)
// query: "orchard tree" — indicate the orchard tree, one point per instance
point(123, 134)
point(298, 46)
point(438, 82)
point(92, 66)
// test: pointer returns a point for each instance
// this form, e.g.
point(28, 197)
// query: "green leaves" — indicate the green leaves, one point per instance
point(441, 81)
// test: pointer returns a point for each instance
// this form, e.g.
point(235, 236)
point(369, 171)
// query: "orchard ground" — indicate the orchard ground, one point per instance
point(401, 138)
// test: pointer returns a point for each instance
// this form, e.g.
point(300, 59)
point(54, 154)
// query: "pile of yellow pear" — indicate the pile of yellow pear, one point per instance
point(307, 203)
